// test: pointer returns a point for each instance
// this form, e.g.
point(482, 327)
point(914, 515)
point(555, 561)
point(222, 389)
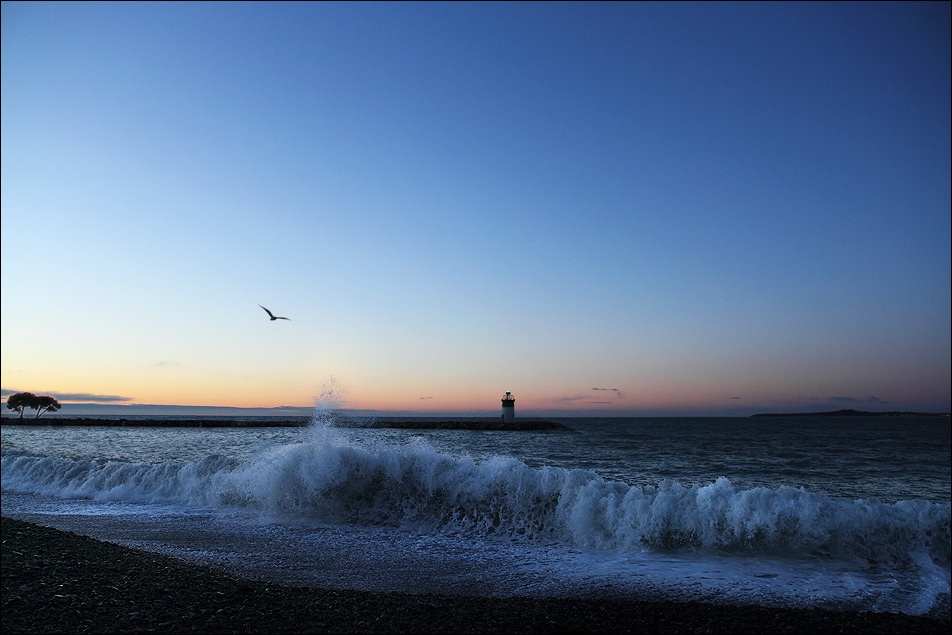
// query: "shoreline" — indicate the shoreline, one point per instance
point(56, 581)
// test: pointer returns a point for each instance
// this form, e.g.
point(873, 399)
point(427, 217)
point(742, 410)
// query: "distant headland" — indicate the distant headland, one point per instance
point(855, 413)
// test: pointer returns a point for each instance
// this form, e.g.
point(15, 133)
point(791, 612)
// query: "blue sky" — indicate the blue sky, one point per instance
point(699, 208)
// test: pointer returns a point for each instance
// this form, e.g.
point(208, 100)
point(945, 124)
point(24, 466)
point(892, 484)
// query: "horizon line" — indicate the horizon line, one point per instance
point(91, 408)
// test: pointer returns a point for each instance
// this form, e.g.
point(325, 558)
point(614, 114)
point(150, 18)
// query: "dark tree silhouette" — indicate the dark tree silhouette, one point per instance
point(18, 402)
point(43, 404)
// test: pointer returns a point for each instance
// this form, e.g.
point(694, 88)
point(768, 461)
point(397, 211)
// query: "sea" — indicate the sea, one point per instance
point(808, 512)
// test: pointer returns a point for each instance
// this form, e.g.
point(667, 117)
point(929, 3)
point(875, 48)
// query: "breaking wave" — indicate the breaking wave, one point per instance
point(418, 488)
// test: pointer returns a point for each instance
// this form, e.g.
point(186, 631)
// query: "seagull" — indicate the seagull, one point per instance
point(273, 316)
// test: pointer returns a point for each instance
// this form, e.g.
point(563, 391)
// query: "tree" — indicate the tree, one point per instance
point(20, 401)
point(43, 404)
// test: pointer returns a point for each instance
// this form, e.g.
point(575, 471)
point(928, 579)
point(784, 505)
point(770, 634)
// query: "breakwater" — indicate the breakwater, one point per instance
point(277, 422)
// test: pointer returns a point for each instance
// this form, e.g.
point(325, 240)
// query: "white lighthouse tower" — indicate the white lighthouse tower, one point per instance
point(508, 407)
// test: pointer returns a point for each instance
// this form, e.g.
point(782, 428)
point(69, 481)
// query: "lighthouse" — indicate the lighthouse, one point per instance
point(508, 407)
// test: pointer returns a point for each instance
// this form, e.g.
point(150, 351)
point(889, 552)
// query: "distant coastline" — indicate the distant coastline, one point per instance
point(855, 413)
point(346, 421)
point(519, 425)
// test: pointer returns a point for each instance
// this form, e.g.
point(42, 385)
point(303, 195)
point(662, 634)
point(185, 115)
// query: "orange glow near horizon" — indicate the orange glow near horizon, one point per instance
point(197, 387)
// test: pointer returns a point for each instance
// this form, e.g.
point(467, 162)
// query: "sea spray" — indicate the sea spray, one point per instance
point(417, 488)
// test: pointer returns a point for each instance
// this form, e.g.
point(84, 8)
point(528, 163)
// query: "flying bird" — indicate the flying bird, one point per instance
point(273, 316)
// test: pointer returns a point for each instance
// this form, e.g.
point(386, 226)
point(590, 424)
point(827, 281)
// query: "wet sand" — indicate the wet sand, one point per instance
point(58, 582)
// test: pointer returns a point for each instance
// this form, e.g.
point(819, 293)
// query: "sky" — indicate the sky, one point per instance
point(606, 208)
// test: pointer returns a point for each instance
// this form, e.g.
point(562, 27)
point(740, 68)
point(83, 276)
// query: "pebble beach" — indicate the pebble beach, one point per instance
point(58, 582)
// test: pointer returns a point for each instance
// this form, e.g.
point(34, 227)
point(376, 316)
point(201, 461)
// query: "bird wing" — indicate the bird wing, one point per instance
point(268, 312)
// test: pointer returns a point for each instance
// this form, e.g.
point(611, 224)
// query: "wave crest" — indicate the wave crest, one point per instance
point(415, 487)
